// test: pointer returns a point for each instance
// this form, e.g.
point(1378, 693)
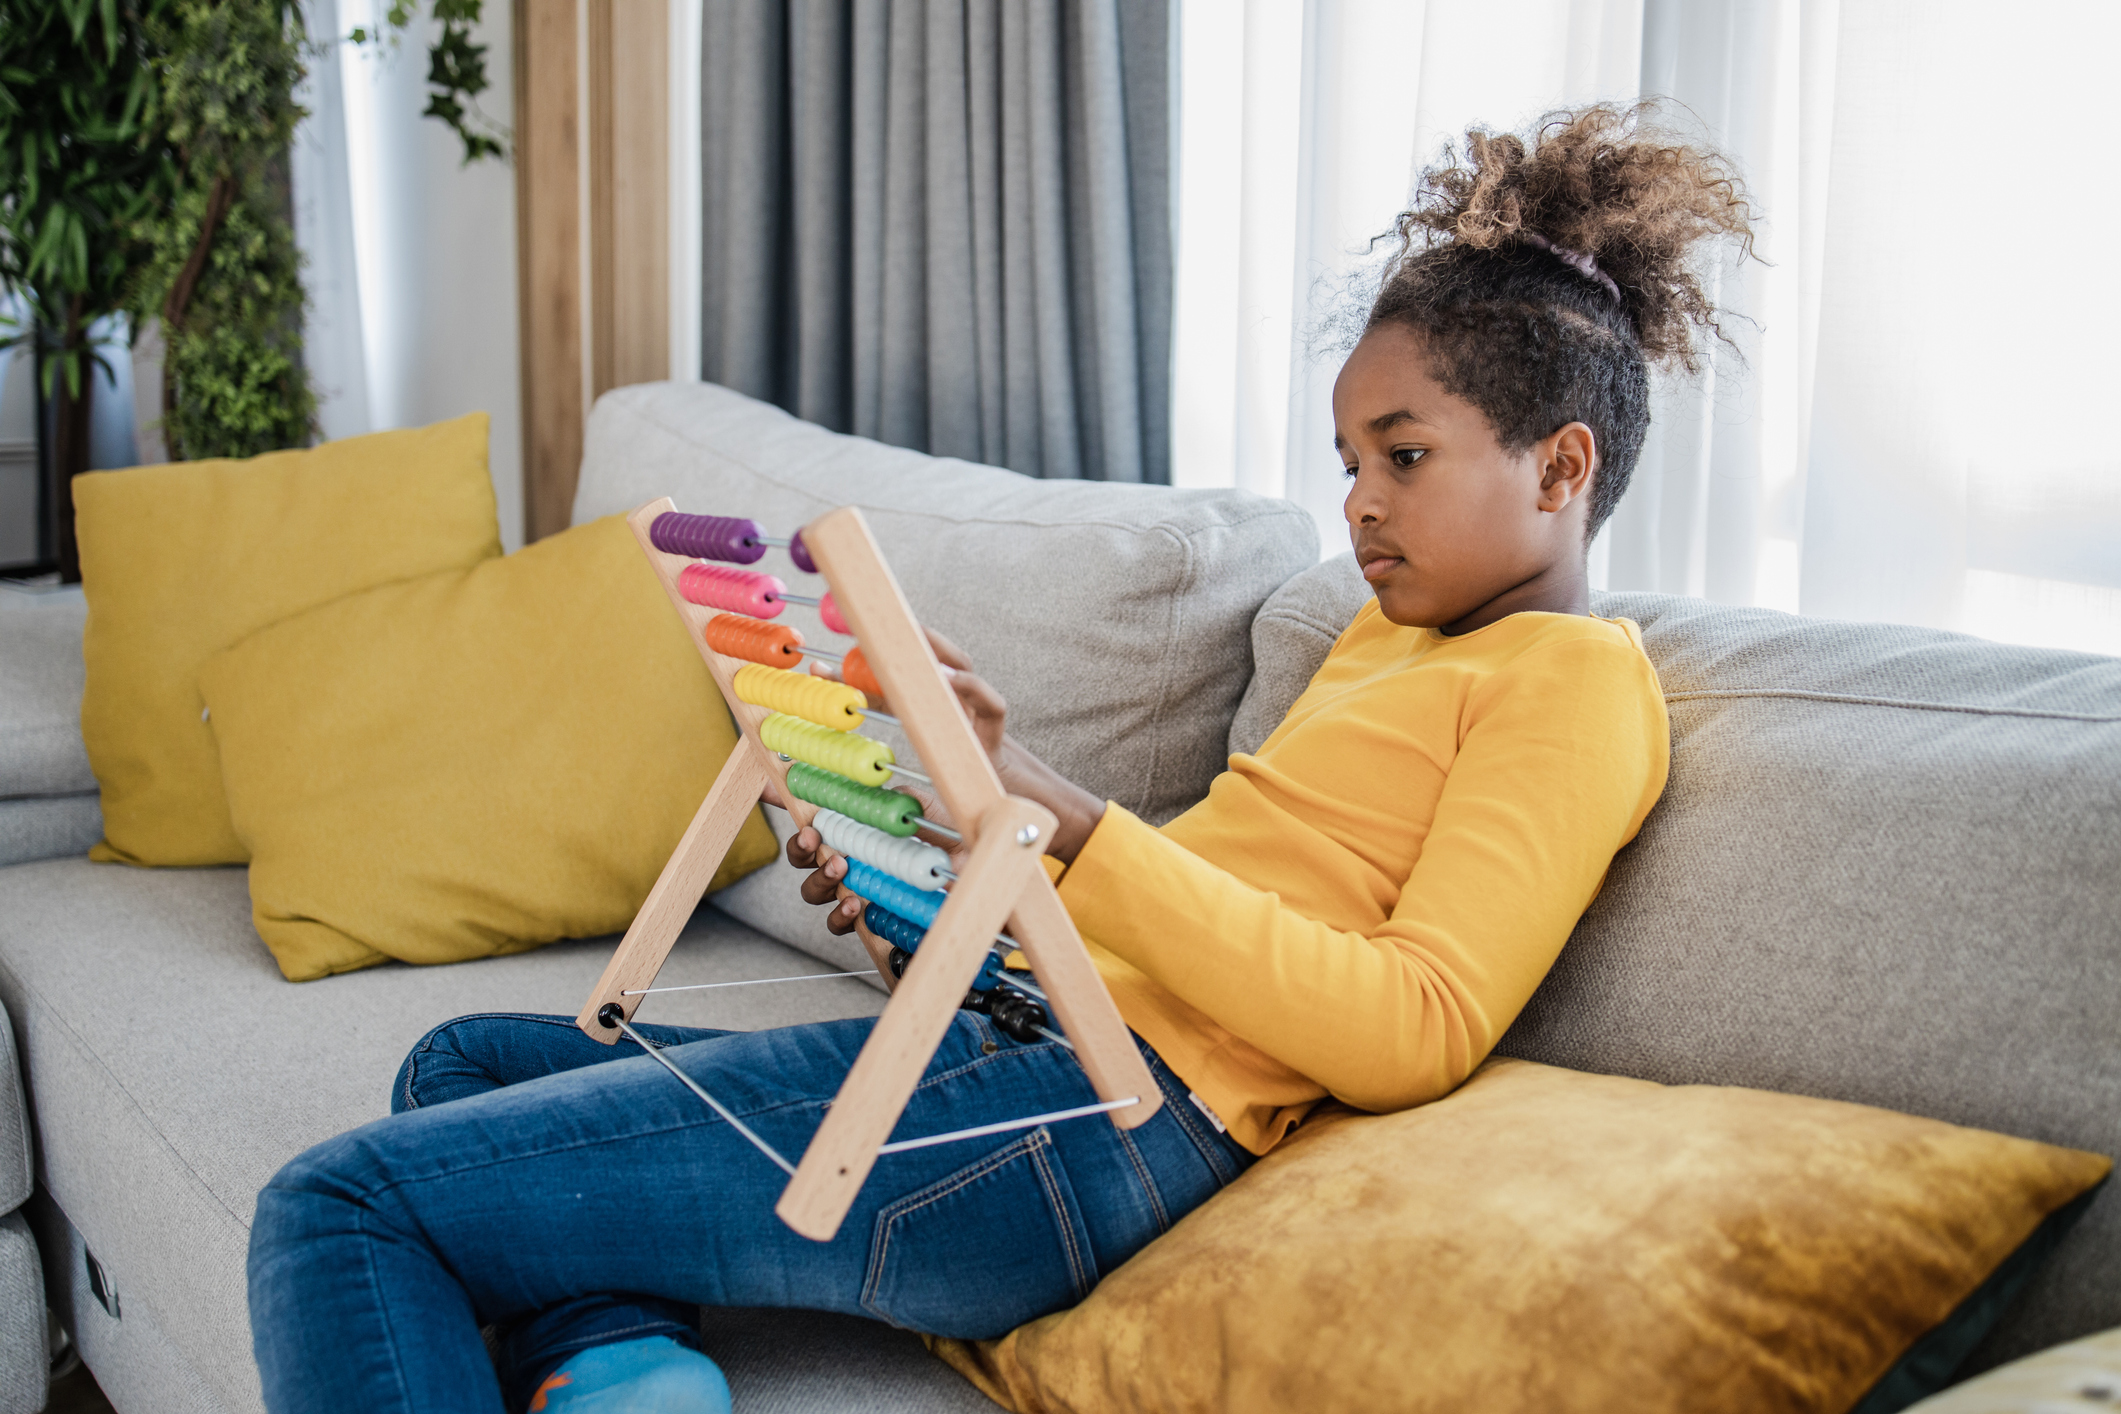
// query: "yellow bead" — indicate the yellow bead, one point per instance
point(842, 753)
point(814, 699)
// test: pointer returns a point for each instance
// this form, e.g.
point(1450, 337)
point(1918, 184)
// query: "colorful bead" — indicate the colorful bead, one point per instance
point(829, 704)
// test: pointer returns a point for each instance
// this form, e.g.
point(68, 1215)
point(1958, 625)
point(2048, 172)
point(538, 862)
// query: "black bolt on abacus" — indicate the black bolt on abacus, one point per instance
point(1017, 1017)
point(610, 1015)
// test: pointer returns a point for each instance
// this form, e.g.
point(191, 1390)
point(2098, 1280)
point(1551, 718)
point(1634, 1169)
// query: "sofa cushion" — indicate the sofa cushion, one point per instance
point(172, 1071)
point(1291, 635)
point(1111, 616)
point(40, 694)
point(1887, 869)
point(48, 827)
point(471, 763)
point(180, 561)
point(1548, 1240)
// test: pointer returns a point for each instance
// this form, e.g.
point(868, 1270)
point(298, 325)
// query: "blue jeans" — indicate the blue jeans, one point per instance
point(573, 1193)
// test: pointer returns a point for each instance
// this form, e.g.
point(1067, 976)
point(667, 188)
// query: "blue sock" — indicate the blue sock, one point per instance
point(653, 1375)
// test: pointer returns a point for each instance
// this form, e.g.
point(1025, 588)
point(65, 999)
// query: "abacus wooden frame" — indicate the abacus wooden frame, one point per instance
point(1001, 881)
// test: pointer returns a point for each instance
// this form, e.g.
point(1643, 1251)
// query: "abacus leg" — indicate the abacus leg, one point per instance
point(677, 890)
point(921, 1010)
point(1081, 1004)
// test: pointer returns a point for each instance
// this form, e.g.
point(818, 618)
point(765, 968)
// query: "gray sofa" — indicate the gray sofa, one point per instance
point(1888, 869)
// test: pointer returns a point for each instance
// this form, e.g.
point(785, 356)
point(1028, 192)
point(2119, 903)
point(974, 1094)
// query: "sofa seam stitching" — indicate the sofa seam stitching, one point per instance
point(1852, 699)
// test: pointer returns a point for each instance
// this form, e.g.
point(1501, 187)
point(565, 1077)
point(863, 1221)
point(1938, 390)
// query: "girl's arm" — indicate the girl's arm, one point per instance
point(1560, 760)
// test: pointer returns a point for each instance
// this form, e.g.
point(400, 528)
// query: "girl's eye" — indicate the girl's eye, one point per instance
point(1348, 470)
point(1404, 457)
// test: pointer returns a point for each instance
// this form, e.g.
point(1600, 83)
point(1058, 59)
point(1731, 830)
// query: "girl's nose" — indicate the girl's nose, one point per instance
point(1361, 506)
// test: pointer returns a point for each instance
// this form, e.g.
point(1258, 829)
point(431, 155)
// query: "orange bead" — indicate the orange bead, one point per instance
point(734, 636)
point(854, 671)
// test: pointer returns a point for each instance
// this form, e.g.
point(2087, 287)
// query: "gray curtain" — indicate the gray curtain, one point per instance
point(945, 224)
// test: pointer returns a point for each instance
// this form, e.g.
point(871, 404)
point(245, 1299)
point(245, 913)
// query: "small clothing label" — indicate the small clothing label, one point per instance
point(1202, 1106)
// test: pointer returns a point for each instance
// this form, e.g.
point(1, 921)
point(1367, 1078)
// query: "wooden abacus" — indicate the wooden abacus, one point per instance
point(1001, 882)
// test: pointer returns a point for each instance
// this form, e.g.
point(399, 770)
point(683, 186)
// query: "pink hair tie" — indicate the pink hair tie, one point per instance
point(1577, 261)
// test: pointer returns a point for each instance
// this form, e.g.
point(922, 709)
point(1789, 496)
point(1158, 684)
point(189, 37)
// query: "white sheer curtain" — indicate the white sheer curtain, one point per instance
point(1909, 429)
point(409, 255)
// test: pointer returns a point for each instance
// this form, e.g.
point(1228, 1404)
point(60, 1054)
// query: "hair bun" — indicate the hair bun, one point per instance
point(1606, 182)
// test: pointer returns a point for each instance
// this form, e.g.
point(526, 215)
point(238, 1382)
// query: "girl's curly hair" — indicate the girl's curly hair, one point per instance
point(1514, 325)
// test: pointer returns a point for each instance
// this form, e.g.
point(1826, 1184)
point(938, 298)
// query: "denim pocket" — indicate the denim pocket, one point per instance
point(975, 1255)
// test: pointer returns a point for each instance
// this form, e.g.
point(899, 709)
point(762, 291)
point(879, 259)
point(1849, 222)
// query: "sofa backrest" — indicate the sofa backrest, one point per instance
point(1113, 617)
point(1887, 869)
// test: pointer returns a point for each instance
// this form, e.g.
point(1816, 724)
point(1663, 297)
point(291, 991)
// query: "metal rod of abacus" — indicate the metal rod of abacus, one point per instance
point(870, 714)
point(944, 830)
point(808, 601)
point(1011, 979)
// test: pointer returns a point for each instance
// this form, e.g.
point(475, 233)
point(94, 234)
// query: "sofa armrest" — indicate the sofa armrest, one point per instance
point(48, 805)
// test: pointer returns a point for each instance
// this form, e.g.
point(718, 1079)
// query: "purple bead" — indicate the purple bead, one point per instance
point(800, 553)
point(707, 537)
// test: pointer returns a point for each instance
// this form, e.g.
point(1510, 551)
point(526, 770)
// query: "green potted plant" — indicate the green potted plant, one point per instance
point(83, 166)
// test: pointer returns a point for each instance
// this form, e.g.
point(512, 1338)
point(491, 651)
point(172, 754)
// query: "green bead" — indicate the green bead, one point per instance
point(888, 810)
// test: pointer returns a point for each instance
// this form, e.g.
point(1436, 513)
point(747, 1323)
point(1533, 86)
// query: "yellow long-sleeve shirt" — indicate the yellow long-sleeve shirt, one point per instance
point(1361, 908)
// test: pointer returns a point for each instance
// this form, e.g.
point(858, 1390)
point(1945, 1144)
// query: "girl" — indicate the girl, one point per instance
point(1358, 910)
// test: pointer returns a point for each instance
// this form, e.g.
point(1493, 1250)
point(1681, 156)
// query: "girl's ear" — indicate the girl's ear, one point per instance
point(1567, 461)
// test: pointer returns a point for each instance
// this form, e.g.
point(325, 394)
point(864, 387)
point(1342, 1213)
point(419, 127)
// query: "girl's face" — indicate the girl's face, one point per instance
point(1452, 530)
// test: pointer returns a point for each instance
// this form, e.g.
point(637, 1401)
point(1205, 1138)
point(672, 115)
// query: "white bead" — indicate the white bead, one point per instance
point(908, 860)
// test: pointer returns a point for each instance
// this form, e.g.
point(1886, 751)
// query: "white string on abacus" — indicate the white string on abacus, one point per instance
point(696, 1088)
point(978, 1131)
point(753, 982)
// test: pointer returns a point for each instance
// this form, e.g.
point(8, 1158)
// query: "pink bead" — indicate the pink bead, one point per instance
point(830, 613)
point(737, 591)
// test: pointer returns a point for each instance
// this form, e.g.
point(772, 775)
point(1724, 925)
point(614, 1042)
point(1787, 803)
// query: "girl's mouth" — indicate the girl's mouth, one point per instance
point(1374, 570)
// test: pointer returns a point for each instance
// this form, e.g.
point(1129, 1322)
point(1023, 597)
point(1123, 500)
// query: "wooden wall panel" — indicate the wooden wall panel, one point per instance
point(633, 312)
point(549, 259)
point(592, 166)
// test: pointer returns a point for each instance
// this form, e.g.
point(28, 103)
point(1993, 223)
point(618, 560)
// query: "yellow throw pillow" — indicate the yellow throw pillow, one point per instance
point(1545, 1240)
point(180, 561)
point(470, 763)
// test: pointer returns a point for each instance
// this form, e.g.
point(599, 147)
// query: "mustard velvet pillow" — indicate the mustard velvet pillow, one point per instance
point(1545, 1240)
point(470, 763)
point(180, 561)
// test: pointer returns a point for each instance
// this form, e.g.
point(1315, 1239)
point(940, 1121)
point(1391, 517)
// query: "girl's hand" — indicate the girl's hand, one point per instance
point(806, 850)
point(1022, 773)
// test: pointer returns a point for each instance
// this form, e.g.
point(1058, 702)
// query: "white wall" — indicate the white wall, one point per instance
point(411, 255)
